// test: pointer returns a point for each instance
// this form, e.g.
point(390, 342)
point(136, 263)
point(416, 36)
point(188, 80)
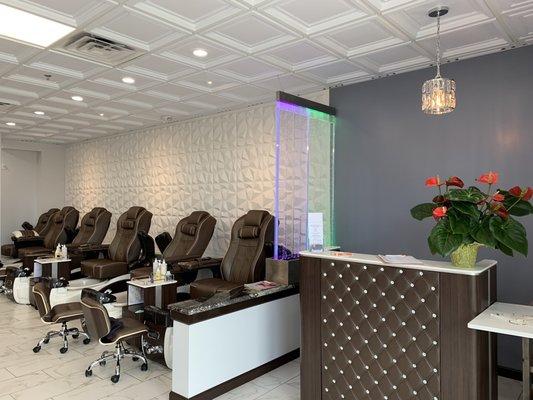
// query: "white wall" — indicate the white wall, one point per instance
point(20, 169)
point(50, 177)
point(223, 164)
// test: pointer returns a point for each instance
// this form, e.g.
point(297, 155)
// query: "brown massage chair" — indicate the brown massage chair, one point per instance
point(92, 231)
point(193, 234)
point(26, 236)
point(61, 231)
point(251, 244)
point(125, 249)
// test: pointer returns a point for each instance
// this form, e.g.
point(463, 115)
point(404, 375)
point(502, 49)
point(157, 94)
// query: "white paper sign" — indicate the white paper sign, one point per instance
point(315, 231)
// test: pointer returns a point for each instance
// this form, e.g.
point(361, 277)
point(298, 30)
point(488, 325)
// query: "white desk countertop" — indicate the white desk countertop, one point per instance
point(497, 319)
point(427, 265)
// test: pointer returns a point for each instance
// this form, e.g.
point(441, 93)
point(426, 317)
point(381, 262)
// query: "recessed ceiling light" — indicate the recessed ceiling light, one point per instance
point(209, 82)
point(38, 112)
point(77, 98)
point(128, 79)
point(200, 53)
point(101, 114)
point(10, 123)
point(30, 28)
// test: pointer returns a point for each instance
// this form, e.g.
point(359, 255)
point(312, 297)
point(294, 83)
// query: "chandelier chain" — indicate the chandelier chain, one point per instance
point(438, 47)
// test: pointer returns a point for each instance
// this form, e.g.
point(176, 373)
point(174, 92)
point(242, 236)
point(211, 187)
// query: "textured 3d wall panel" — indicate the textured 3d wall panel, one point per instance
point(222, 164)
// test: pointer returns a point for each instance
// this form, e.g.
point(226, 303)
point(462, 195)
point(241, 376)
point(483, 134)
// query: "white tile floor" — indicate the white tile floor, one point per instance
point(50, 375)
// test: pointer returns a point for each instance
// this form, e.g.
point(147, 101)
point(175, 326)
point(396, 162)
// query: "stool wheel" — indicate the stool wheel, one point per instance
point(37, 349)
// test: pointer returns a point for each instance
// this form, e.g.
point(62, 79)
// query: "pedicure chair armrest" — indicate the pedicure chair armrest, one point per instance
point(91, 248)
point(27, 241)
point(197, 264)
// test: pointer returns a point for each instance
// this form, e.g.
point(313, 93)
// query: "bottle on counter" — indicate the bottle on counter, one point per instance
point(57, 253)
point(64, 252)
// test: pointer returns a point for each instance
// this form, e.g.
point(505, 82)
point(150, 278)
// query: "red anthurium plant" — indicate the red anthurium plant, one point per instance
point(474, 217)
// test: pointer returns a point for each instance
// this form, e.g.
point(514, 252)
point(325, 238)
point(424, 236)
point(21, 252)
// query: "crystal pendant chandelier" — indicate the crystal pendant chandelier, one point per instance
point(438, 94)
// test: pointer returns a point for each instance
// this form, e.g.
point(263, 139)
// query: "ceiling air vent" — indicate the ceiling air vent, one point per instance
point(99, 49)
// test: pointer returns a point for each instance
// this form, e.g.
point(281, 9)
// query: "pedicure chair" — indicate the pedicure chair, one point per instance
point(92, 231)
point(192, 235)
point(251, 243)
point(110, 268)
point(27, 236)
point(63, 225)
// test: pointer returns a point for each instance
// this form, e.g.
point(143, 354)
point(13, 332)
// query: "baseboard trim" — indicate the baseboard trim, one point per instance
point(510, 373)
point(241, 379)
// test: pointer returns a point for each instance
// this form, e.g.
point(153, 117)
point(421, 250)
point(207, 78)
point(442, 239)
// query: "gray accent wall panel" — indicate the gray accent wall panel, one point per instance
point(386, 147)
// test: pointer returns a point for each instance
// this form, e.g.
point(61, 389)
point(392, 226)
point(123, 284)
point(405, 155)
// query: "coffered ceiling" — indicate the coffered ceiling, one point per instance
point(255, 47)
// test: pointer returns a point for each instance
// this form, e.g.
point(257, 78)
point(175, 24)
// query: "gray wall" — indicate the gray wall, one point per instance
point(386, 147)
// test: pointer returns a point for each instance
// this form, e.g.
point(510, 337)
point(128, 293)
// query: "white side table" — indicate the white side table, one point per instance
point(52, 267)
point(513, 320)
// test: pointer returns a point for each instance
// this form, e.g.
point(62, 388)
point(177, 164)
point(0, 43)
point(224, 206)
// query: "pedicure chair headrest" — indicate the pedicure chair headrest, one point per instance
point(93, 227)
point(192, 236)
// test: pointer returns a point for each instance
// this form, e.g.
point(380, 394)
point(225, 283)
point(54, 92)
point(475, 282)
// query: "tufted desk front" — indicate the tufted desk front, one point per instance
point(375, 331)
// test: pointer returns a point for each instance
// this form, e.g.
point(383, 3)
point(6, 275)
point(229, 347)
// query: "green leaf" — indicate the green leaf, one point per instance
point(504, 249)
point(423, 211)
point(442, 240)
point(520, 209)
point(510, 233)
point(432, 247)
point(466, 208)
point(459, 223)
point(470, 195)
point(482, 233)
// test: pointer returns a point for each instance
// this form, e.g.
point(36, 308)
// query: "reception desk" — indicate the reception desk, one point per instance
point(372, 330)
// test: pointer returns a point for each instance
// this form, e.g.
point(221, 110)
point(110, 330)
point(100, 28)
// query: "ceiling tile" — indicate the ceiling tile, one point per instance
point(56, 63)
point(135, 29)
point(312, 16)
point(70, 12)
point(158, 67)
point(15, 52)
point(171, 92)
point(287, 83)
point(207, 81)
point(295, 56)
point(98, 90)
point(518, 16)
point(335, 72)
point(182, 51)
point(414, 18)
point(247, 93)
point(359, 38)
point(191, 15)
point(395, 59)
point(468, 41)
point(251, 33)
point(248, 70)
point(113, 78)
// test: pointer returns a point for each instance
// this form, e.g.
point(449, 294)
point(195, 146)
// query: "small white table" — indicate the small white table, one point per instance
point(59, 267)
point(513, 320)
point(157, 293)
